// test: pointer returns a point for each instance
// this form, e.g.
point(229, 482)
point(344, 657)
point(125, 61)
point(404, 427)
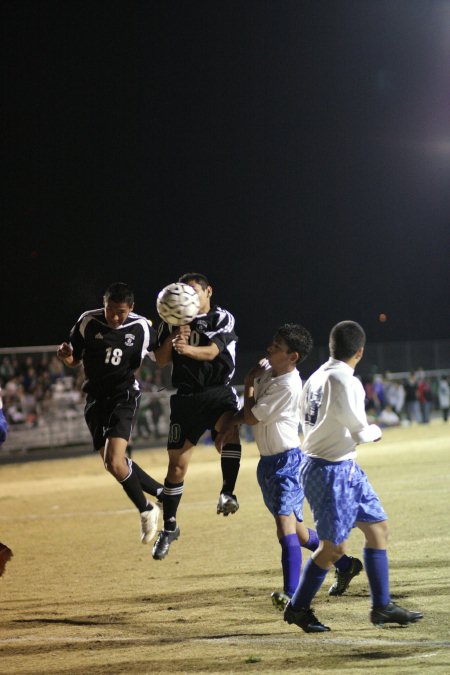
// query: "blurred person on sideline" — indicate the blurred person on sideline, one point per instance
point(425, 398)
point(111, 342)
point(388, 417)
point(5, 552)
point(334, 422)
point(412, 407)
point(272, 391)
point(395, 394)
point(444, 396)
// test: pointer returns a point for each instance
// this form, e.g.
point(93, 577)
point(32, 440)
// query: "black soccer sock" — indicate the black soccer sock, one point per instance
point(132, 487)
point(148, 484)
point(171, 498)
point(230, 461)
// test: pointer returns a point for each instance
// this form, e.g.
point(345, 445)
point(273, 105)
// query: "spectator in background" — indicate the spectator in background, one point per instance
point(411, 399)
point(380, 392)
point(388, 417)
point(444, 397)
point(395, 395)
point(371, 400)
point(7, 370)
point(425, 398)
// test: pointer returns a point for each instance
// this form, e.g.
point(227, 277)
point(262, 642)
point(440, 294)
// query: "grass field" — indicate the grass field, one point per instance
point(82, 595)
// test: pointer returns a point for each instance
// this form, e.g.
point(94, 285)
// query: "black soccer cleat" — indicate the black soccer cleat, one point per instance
point(280, 600)
point(304, 619)
point(392, 613)
point(227, 504)
point(162, 544)
point(342, 579)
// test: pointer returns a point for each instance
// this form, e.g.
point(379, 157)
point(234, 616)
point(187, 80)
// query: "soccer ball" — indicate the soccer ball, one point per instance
point(178, 304)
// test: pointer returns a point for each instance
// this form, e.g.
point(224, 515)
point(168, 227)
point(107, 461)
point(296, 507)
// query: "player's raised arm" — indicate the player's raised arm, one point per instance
point(206, 353)
point(65, 354)
point(163, 353)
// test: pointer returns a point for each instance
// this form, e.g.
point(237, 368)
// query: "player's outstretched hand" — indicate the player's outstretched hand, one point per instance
point(183, 332)
point(64, 351)
point(256, 371)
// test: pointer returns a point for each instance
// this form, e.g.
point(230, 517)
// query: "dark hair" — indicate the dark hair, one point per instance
point(197, 277)
point(297, 338)
point(120, 292)
point(346, 338)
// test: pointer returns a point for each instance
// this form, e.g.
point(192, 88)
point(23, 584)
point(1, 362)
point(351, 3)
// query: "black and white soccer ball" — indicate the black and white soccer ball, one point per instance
point(178, 304)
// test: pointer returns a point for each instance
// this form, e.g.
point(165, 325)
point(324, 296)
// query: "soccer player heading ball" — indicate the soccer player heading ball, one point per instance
point(203, 358)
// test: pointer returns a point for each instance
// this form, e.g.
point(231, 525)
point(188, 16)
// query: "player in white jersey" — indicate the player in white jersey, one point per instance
point(337, 489)
point(111, 342)
point(272, 392)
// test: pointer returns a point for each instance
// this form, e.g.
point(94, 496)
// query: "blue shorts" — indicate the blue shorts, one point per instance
point(340, 495)
point(278, 478)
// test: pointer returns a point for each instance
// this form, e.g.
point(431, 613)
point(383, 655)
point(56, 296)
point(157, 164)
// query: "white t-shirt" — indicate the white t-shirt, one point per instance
point(332, 413)
point(277, 409)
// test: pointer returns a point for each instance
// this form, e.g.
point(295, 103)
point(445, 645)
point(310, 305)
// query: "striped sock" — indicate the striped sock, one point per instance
point(230, 460)
point(172, 494)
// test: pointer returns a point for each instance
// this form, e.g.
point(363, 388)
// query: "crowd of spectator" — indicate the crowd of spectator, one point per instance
point(391, 401)
point(33, 385)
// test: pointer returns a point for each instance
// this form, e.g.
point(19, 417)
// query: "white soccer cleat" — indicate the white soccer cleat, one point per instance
point(227, 504)
point(149, 524)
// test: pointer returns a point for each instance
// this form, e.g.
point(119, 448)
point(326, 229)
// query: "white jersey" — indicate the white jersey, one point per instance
point(277, 409)
point(332, 413)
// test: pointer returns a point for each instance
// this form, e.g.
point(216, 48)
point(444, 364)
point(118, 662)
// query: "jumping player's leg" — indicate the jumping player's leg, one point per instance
point(172, 493)
point(230, 461)
point(125, 472)
point(174, 483)
point(116, 416)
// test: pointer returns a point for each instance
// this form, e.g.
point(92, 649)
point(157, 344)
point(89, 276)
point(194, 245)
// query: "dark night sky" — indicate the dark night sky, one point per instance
point(295, 151)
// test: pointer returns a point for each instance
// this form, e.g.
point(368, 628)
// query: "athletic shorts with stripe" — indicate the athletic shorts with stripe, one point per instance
point(193, 414)
point(111, 416)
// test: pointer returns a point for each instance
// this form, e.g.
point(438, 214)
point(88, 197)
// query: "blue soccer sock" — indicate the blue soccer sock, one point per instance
point(377, 570)
point(291, 562)
point(312, 579)
point(313, 541)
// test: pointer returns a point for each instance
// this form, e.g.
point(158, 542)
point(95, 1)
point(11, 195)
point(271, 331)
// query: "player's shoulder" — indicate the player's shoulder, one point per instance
point(138, 324)
point(134, 317)
point(90, 315)
point(222, 316)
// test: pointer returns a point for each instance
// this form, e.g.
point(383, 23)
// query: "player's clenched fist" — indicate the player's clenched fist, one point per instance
point(64, 351)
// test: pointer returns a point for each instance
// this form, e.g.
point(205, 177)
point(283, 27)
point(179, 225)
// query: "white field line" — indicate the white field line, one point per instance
point(88, 514)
